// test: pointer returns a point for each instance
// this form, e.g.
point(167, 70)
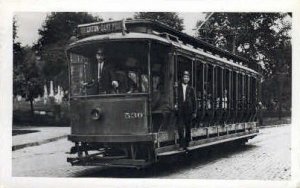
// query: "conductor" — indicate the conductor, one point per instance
point(186, 110)
point(105, 74)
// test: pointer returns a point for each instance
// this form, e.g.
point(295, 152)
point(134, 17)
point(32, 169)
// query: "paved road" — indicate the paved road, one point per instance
point(266, 157)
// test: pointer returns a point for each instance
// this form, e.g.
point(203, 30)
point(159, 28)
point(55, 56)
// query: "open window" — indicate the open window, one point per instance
point(126, 63)
point(199, 83)
point(161, 77)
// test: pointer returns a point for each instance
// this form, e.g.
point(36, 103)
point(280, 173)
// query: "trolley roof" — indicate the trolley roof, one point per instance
point(153, 30)
point(185, 38)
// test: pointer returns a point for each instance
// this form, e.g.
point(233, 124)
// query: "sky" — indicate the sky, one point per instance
point(28, 23)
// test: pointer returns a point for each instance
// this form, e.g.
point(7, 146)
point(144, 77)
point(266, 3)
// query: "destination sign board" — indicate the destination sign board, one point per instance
point(100, 28)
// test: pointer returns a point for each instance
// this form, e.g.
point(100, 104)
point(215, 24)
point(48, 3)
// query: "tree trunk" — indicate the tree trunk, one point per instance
point(280, 101)
point(31, 107)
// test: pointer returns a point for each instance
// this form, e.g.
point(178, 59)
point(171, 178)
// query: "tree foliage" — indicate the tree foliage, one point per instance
point(18, 52)
point(60, 26)
point(170, 18)
point(27, 78)
point(18, 56)
point(264, 38)
point(54, 36)
point(258, 36)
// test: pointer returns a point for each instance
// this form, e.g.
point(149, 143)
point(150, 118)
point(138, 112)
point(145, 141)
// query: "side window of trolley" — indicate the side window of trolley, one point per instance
point(199, 83)
point(226, 87)
point(160, 78)
point(136, 76)
point(130, 67)
point(209, 87)
point(78, 68)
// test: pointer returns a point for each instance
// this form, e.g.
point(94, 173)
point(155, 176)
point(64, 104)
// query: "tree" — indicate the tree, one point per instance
point(28, 82)
point(170, 18)
point(264, 38)
point(257, 36)
point(17, 49)
point(54, 36)
point(18, 54)
point(26, 78)
point(277, 89)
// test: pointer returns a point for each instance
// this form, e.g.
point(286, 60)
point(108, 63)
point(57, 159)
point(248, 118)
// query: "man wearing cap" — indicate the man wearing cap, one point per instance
point(105, 76)
point(187, 110)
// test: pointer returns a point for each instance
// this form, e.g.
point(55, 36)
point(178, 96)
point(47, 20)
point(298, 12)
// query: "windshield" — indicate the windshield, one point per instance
point(109, 68)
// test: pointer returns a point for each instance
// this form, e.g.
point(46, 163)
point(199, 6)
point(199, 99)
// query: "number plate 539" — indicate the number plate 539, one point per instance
point(133, 115)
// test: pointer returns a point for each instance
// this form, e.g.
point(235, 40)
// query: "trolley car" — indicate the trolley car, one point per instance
point(136, 127)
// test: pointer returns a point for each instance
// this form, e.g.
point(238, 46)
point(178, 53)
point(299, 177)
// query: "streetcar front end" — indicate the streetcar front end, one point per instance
point(110, 122)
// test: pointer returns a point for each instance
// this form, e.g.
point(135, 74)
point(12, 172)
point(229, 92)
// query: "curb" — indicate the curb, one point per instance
point(271, 126)
point(21, 146)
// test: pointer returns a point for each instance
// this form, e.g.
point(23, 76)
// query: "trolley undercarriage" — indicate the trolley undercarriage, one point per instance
point(141, 151)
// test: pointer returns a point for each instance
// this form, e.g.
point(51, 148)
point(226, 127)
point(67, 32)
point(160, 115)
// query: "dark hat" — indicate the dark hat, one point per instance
point(100, 50)
point(186, 73)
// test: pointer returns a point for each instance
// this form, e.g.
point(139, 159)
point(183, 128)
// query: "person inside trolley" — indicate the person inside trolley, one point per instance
point(187, 110)
point(104, 81)
point(107, 82)
point(132, 82)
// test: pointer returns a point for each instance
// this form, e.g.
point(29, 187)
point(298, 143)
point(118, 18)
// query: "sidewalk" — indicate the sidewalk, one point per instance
point(43, 136)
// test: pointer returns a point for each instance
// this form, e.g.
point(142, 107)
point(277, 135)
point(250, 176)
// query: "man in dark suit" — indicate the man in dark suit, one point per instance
point(187, 110)
point(105, 74)
point(104, 77)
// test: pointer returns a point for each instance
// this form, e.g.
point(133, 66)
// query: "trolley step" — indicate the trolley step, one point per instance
point(176, 152)
point(220, 141)
point(174, 149)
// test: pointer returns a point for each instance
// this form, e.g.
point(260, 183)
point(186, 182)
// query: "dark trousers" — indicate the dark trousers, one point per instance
point(184, 127)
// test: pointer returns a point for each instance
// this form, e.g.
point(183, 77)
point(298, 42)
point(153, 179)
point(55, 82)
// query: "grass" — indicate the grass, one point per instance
point(22, 114)
point(276, 121)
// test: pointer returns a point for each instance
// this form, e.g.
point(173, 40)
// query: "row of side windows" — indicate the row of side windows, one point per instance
point(223, 94)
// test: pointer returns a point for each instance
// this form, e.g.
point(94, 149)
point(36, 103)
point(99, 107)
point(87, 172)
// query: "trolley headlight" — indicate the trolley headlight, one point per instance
point(96, 113)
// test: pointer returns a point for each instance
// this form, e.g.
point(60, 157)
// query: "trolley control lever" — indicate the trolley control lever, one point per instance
point(87, 84)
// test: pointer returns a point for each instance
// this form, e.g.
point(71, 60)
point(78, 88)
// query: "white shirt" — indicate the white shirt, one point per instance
point(224, 103)
point(184, 91)
point(100, 68)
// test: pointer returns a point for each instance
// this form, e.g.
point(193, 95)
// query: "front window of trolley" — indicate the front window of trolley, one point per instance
point(111, 68)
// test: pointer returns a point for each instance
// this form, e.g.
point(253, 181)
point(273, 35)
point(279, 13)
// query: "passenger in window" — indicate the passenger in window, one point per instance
point(204, 98)
point(244, 100)
point(144, 83)
point(209, 101)
point(132, 82)
point(155, 82)
point(200, 99)
point(218, 103)
point(156, 93)
point(225, 100)
point(121, 77)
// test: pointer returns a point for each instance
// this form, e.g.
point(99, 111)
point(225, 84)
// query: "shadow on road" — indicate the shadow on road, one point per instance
point(172, 164)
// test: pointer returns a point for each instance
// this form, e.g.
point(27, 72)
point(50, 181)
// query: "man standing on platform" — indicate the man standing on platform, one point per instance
point(187, 110)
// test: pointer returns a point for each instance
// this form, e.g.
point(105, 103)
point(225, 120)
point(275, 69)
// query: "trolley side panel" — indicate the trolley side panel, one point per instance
point(119, 116)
